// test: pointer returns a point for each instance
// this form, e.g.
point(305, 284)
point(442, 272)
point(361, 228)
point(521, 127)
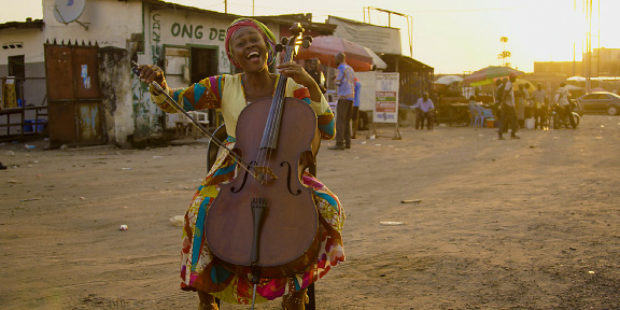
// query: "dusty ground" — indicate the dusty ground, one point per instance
point(516, 224)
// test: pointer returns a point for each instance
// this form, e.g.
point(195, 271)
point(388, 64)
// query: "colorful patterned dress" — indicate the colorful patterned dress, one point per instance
point(198, 269)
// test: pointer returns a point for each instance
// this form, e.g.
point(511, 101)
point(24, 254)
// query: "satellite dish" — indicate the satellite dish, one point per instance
point(67, 11)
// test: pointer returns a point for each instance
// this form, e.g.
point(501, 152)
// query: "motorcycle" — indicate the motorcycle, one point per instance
point(565, 118)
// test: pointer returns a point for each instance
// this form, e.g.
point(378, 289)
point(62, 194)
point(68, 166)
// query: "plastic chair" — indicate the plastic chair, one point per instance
point(475, 115)
point(212, 149)
point(485, 114)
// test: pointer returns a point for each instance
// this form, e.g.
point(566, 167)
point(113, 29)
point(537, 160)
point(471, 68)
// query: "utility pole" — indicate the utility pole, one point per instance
point(589, 46)
point(598, 54)
point(574, 62)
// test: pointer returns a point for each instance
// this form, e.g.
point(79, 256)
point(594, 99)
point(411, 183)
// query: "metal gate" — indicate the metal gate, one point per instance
point(74, 97)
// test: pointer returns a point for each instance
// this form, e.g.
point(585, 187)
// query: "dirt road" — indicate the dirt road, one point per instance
point(517, 224)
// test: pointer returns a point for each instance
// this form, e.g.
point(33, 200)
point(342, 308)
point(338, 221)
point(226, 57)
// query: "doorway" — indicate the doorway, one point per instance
point(17, 69)
point(203, 63)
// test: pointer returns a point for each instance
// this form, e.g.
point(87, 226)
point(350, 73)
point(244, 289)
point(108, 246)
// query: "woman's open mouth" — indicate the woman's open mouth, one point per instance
point(253, 56)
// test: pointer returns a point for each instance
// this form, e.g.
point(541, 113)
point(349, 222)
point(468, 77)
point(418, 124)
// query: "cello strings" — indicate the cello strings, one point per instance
point(276, 116)
point(274, 134)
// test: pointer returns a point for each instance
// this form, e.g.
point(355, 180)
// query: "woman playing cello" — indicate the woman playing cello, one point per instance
point(250, 47)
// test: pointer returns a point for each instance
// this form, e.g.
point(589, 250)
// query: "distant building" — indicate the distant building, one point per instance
point(567, 68)
point(605, 62)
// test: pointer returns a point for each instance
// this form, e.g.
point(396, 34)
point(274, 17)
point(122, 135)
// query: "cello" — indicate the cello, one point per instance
point(264, 223)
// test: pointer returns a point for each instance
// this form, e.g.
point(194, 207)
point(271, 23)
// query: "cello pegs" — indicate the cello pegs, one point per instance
point(306, 41)
point(279, 48)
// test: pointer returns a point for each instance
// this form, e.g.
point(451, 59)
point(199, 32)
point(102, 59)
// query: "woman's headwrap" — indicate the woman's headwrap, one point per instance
point(268, 37)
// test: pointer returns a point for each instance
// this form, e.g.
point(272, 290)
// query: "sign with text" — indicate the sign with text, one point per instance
point(386, 94)
point(377, 38)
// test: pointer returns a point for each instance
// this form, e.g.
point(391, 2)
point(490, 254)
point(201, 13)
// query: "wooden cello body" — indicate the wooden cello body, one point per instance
point(284, 238)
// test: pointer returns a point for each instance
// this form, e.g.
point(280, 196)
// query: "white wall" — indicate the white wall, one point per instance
point(185, 28)
point(110, 22)
point(31, 39)
point(180, 28)
point(31, 47)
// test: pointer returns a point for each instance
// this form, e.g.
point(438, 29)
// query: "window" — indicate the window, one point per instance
point(16, 66)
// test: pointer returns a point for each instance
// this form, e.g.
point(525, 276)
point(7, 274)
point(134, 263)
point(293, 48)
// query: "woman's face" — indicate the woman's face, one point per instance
point(249, 49)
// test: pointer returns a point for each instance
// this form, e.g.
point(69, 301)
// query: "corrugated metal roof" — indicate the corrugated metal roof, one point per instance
point(406, 60)
point(170, 5)
point(29, 23)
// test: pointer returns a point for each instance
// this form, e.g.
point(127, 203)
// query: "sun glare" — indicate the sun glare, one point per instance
point(453, 36)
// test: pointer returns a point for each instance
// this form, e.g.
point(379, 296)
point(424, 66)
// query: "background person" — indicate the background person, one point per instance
point(356, 107)
point(520, 103)
point(499, 100)
point(314, 68)
point(509, 116)
point(563, 103)
point(425, 110)
point(345, 81)
point(540, 107)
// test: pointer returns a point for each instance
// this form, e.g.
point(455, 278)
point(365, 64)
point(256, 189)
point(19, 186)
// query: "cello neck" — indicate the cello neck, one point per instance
point(270, 136)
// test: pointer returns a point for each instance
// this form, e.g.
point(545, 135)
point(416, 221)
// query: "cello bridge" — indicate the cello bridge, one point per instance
point(264, 175)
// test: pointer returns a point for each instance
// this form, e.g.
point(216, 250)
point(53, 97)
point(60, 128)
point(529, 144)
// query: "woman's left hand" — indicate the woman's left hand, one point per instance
point(297, 73)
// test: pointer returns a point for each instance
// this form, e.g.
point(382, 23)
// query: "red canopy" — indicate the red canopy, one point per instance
point(326, 47)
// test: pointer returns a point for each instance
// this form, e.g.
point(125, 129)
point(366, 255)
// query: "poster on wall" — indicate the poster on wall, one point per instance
point(386, 94)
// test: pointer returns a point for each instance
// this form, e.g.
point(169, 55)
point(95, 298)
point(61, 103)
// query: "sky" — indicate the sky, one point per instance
point(453, 36)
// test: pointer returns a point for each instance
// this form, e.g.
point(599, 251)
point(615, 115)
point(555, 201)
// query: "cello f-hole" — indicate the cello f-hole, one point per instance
point(245, 178)
point(288, 178)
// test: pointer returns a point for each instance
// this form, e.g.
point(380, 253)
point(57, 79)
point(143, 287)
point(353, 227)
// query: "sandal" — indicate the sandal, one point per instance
point(207, 302)
point(295, 301)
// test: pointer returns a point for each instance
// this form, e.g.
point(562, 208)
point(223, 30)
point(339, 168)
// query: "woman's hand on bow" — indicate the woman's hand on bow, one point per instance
point(150, 73)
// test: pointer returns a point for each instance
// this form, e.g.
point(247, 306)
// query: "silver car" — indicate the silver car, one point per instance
point(600, 102)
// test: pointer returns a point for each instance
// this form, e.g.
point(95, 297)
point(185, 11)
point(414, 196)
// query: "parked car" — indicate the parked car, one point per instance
point(600, 102)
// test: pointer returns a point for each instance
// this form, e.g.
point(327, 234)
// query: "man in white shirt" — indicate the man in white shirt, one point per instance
point(562, 100)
